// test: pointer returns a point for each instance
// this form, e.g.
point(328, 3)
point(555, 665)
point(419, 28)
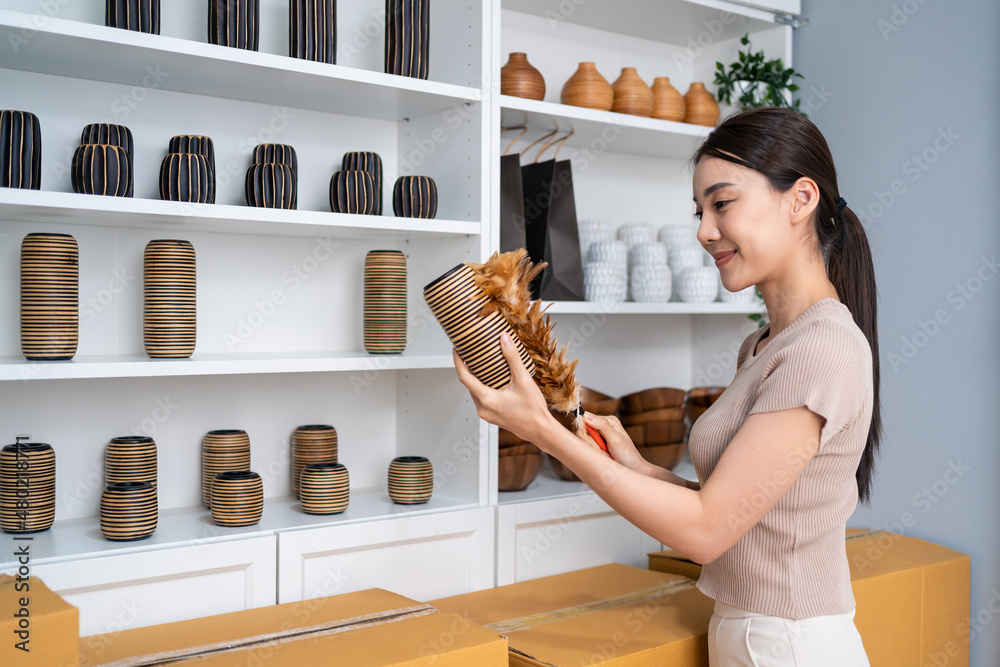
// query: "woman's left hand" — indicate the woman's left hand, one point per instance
point(518, 407)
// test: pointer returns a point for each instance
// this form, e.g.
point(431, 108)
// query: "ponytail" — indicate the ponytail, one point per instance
point(785, 146)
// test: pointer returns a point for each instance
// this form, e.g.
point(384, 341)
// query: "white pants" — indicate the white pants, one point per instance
point(738, 638)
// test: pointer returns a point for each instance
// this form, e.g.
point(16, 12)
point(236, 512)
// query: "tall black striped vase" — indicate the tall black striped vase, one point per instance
point(407, 35)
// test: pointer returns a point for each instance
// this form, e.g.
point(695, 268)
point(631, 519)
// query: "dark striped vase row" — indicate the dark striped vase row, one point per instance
point(49, 299)
point(27, 507)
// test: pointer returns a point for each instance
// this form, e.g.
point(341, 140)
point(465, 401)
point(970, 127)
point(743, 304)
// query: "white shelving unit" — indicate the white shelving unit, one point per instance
point(279, 292)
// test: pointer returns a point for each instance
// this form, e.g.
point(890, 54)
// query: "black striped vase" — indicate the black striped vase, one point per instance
point(410, 480)
point(193, 143)
point(102, 169)
point(114, 135)
point(237, 498)
point(325, 488)
point(312, 30)
point(27, 487)
point(50, 297)
point(130, 458)
point(138, 15)
point(169, 308)
point(234, 23)
point(385, 302)
point(407, 32)
point(352, 191)
point(370, 162)
point(312, 443)
point(270, 185)
point(20, 150)
point(276, 153)
point(187, 177)
point(129, 511)
point(221, 451)
point(415, 197)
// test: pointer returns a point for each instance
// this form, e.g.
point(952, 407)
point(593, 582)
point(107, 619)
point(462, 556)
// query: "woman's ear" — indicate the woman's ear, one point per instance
point(804, 200)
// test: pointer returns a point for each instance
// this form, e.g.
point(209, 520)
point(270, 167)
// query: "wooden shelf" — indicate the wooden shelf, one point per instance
point(669, 308)
point(193, 526)
point(214, 364)
point(94, 210)
point(95, 52)
point(616, 132)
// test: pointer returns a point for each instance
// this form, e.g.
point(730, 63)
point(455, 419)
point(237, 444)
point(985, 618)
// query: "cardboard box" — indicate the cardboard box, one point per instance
point(612, 615)
point(372, 628)
point(37, 627)
point(912, 597)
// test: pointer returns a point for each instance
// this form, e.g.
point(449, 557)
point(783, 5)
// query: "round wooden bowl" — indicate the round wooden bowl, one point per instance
point(101, 169)
point(234, 23)
point(130, 458)
point(519, 78)
point(410, 480)
point(519, 450)
point(385, 302)
point(456, 302)
point(222, 450)
point(352, 191)
point(650, 416)
point(50, 296)
point(128, 511)
point(237, 498)
point(27, 487)
point(632, 95)
point(562, 471)
point(187, 177)
point(656, 398)
point(665, 456)
point(137, 15)
point(515, 473)
point(271, 185)
point(415, 197)
point(370, 162)
point(508, 439)
point(587, 88)
point(704, 396)
point(312, 33)
point(20, 150)
point(324, 488)
point(657, 433)
point(598, 403)
point(312, 444)
point(169, 309)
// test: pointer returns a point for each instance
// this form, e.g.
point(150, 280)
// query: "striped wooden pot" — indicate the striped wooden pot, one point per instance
point(129, 511)
point(325, 488)
point(410, 480)
point(370, 162)
point(138, 15)
point(312, 30)
point(457, 303)
point(20, 150)
point(407, 35)
point(270, 185)
point(234, 23)
point(102, 169)
point(237, 498)
point(130, 458)
point(222, 450)
point(193, 143)
point(385, 302)
point(415, 197)
point(50, 297)
point(169, 307)
point(312, 443)
point(352, 191)
point(27, 487)
point(114, 135)
point(187, 177)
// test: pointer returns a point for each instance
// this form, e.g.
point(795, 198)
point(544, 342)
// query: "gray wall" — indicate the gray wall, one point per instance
point(907, 93)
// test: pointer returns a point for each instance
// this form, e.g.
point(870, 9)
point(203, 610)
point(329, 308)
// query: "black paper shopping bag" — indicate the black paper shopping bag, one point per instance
point(512, 224)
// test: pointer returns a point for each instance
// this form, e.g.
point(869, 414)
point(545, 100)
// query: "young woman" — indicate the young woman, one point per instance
point(785, 453)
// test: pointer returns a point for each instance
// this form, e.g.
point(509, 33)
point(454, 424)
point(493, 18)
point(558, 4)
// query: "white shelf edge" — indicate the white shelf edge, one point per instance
point(80, 538)
point(91, 210)
point(569, 112)
point(216, 364)
point(125, 45)
point(669, 308)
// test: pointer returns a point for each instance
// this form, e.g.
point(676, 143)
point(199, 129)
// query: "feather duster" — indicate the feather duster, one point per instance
point(504, 279)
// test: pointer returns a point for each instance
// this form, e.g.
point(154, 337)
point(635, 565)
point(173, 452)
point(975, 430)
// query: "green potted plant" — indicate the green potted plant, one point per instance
point(753, 81)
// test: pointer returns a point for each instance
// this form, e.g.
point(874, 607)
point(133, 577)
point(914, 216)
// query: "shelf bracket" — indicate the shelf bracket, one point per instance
point(793, 20)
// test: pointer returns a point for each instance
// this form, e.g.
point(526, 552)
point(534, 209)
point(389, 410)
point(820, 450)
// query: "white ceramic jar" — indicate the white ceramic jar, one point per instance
point(674, 235)
point(650, 283)
point(698, 284)
point(650, 253)
point(609, 252)
point(593, 230)
point(636, 232)
point(604, 282)
point(745, 295)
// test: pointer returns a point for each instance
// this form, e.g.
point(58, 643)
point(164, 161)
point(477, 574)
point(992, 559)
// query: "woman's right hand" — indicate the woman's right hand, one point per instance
point(620, 446)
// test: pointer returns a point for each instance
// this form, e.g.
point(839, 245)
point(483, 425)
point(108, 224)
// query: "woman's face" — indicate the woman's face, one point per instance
point(744, 222)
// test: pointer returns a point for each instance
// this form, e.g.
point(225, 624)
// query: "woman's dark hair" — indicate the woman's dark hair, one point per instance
point(785, 146)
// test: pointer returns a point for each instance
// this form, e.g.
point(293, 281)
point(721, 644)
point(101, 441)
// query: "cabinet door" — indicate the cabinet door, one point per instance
point(421, 557)
point(546, 537)
point(114, 593)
